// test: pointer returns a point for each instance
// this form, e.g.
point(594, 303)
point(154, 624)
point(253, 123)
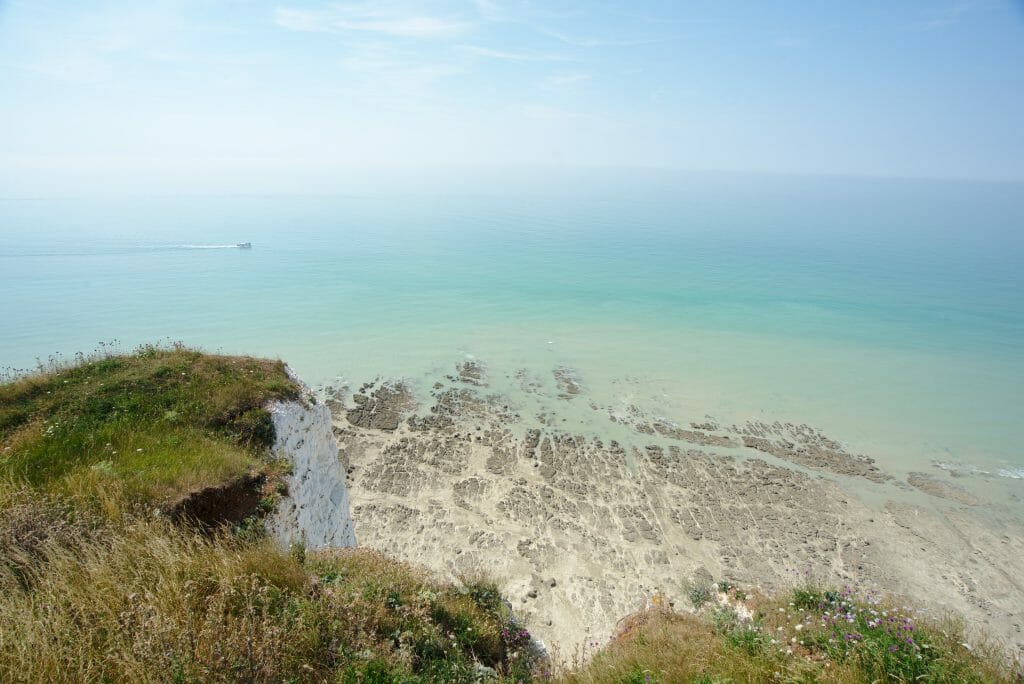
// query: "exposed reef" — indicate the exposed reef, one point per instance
point(382, 409)
point(584, 530)
point(806, 446)
point(946, 490)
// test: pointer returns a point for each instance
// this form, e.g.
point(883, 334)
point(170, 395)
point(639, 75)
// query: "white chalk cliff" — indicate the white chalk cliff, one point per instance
point(315, 512)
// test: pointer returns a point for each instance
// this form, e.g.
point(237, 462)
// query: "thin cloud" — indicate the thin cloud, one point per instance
point(542, 112)
point(368, 18)
point(490, 53)
point(491, 10)
point(785, 42)
point(522, 12)
point(948, 16)
point(566, 79)
point(594, 42)
point(380, 68)
point(300, 20)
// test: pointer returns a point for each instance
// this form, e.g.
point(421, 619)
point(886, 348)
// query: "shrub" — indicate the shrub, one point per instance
point(699, 595)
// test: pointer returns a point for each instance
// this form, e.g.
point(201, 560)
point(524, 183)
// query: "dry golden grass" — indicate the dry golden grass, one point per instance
point(141, 600)
point(665, 646)
point(715, 646)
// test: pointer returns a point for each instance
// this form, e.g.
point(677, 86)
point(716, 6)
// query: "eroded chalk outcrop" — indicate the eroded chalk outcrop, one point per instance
point(315, 511)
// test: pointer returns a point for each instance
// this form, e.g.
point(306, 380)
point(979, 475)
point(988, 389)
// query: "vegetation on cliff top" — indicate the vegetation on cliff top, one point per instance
point(143, 600)
point(154, 425)
point(99, 583)
point(806, 635)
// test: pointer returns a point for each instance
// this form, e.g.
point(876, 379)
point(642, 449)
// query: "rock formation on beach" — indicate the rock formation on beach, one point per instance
point(315, 510)
point(582, 531)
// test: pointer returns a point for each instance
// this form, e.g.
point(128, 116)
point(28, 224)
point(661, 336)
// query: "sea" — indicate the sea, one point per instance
point(887, 313)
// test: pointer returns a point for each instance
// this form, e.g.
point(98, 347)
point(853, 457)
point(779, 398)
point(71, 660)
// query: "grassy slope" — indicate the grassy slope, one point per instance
point(144, 602)
point(95, 587)
point(808, 635)
point(154, 425)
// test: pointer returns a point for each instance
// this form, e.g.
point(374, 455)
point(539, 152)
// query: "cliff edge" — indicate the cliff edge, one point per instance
point(315, 511)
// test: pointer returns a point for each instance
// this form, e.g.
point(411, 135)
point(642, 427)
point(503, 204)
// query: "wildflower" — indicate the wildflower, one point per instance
point(799, 627)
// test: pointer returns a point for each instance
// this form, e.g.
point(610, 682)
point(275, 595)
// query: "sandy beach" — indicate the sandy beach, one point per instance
point(582, 531)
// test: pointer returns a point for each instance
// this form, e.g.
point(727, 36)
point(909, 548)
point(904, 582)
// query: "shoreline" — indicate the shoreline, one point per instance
point(580, 531)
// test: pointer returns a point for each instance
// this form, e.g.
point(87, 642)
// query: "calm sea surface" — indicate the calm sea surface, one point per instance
point(890, 314)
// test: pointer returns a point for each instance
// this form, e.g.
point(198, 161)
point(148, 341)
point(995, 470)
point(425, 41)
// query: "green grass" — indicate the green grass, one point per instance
point(809, 635)
point(157, 424)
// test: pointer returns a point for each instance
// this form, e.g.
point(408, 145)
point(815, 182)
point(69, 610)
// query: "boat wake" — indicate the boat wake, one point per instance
point(242, 245)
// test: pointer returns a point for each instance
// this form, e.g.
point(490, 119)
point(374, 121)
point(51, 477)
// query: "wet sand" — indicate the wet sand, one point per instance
point(581, 532)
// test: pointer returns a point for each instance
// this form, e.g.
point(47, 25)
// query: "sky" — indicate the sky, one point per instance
point(173, 92)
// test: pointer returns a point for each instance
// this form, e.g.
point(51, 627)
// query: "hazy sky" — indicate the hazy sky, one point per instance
point(158, 89)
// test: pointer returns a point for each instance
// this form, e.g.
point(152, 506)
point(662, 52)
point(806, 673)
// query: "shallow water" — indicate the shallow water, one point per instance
point(889, 314)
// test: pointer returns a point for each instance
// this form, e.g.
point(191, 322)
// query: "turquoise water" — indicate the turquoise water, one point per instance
point(890, 314)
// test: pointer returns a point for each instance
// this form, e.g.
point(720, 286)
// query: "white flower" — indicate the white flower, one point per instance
point(799, 627)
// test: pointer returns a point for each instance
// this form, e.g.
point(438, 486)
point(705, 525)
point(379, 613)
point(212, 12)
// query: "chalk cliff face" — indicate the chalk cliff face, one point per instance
point(315, 511)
